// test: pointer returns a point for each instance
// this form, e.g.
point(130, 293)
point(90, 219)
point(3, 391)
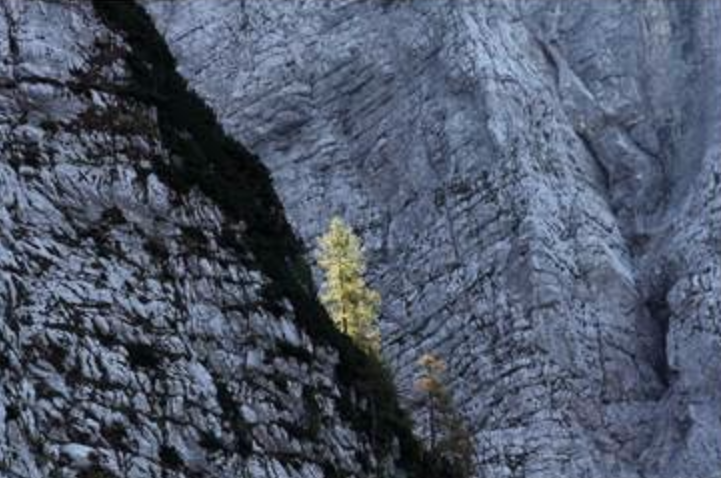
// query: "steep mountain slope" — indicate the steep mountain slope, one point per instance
point(539, 185)
point(154, 319)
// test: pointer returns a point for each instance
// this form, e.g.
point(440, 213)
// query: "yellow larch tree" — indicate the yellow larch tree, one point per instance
point(351, 303)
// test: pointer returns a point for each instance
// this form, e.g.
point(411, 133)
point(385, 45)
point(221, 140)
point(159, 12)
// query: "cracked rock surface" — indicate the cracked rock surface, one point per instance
point(138, 336)
point(538, 184)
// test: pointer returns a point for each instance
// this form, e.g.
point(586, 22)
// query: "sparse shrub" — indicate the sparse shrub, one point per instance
point(449, 442)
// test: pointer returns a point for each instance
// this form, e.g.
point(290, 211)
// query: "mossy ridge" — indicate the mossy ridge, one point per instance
point(241, 186)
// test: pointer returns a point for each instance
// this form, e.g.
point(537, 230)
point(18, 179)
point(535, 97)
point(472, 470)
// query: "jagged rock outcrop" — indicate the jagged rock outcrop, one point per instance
point(152, 320)
point(538, 183)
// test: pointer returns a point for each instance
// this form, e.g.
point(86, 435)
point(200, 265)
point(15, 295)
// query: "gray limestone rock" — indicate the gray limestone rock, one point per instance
point(139, 336)
point(538, 184)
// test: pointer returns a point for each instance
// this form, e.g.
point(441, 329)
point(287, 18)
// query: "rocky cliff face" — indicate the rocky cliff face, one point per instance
point(538, 183)
point(151, 325)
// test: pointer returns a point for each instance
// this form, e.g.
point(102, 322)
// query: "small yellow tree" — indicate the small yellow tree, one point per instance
point(351, 303)
point(448, 438)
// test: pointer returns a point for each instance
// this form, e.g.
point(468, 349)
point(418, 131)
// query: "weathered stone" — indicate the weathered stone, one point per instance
point(538, 183)
point(136, 338)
